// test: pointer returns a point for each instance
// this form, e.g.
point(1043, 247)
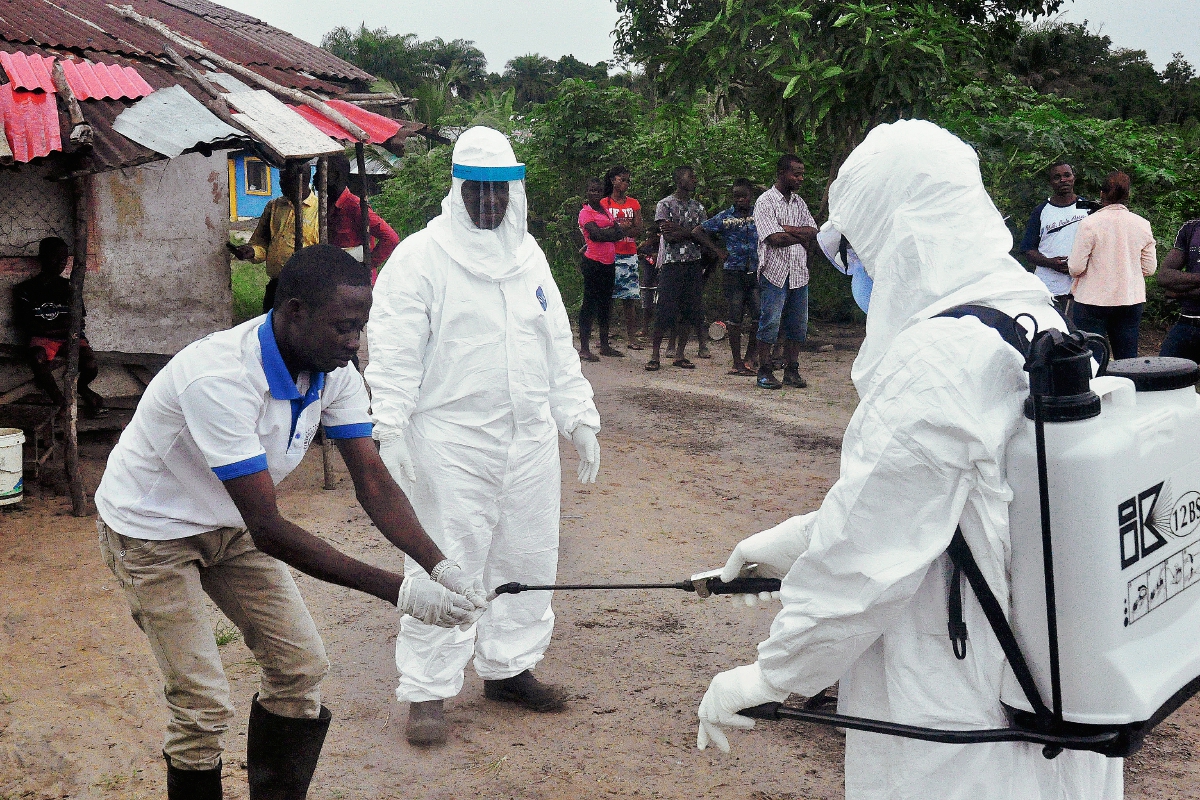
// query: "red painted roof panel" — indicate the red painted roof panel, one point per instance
point(378, 127)
point(28, 72)
point(30, 122)
point(100, 81)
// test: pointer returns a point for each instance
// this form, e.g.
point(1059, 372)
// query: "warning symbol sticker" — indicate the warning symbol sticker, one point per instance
point(1165, 580)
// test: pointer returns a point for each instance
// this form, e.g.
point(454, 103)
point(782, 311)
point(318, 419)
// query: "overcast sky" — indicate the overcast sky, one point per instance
point(507, 28)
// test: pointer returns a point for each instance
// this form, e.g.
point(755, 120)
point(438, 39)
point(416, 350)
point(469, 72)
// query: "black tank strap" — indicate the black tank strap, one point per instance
point(1009, 329)
point(964, 560)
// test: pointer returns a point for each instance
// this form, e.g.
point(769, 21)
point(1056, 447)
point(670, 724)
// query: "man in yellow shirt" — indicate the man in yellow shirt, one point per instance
point(274, 240)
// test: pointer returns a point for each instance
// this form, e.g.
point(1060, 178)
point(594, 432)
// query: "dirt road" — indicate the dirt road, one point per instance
point(692, 462)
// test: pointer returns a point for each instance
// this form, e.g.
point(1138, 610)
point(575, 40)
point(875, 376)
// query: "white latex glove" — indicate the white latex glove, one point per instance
point(394, 454)
point(433, 603)
point(588, 447)
point(775, 550)
point(729, 693)
point(450, 575)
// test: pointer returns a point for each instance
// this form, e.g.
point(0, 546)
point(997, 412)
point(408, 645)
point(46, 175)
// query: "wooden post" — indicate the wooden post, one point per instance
point(323, 233)
point(362, 203)
point(78, 271)
point(298, 204)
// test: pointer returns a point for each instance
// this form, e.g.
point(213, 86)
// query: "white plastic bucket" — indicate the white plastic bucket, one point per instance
point(11, 465)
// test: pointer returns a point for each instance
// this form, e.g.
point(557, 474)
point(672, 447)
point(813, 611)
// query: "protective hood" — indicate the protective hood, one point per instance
point(485, 155)
point(911, 202)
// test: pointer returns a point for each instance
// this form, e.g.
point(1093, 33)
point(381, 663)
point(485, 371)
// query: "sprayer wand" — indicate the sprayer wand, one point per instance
point(703, 585)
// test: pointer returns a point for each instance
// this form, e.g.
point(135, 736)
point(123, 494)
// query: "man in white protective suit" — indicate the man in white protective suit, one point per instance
point(865, 577)
point(473, 375)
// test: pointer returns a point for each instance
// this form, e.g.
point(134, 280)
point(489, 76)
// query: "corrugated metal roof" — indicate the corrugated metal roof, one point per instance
point(31, 124)
point(171, 121)
point(28, 72)
point(91, 81)
point(282, 130)
point(298, 53)
point(379, 128)
point(92, 25)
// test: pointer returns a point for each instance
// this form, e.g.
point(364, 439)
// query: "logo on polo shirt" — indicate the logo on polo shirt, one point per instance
point(541, 296)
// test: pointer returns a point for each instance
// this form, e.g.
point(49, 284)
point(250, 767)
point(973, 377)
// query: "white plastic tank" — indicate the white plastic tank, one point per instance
point(1124, 490)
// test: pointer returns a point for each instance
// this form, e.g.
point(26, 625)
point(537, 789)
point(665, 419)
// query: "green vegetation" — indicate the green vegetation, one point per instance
point(249, 285)
point(224, 632)
point(727, 85)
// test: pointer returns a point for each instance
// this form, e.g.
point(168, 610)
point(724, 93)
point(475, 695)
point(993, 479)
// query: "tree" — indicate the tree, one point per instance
point(399, 59)
point(459, 62)
point(532, 76)
point(829, 68)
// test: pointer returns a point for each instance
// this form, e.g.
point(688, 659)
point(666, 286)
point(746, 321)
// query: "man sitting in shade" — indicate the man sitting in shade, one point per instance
point(473, 377)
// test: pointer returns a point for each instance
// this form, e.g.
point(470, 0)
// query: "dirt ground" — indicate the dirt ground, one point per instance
point(692, 462)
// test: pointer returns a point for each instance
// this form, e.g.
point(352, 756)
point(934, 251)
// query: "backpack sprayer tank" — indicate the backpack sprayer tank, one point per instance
point(1122, 461)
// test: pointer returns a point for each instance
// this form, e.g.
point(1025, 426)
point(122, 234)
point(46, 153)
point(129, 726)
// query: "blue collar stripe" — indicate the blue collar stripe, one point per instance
point(279, 380)
point(489, 174)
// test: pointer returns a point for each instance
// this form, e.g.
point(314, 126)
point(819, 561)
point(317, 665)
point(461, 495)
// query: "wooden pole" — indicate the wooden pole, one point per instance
point(78, 271)
point(298, 203)
point(323, 234)
point(360, 154)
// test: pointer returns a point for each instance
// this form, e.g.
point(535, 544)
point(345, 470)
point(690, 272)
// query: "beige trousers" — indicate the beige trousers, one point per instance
point(163, 582)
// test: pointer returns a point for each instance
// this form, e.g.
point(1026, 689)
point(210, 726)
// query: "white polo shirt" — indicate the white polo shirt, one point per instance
point(224, 407)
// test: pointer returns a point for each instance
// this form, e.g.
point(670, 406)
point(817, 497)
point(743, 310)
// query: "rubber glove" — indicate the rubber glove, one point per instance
point(775, 550)
point(450, 575)
point(730, 692)
point(433, 603)
point(395, 456)
point(588, 448)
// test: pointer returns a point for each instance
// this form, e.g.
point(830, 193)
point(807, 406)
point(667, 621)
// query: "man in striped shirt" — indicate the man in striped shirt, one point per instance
point(785, 227)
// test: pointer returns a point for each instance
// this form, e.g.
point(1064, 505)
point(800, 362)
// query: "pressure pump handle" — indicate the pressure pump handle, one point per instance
point(742, 586)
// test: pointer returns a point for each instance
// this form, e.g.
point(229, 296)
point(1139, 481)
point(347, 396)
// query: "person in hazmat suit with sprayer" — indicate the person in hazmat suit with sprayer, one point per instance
point(473, 376)
point(865, 577)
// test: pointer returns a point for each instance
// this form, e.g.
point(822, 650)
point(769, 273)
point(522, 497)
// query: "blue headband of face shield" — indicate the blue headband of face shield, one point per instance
point(845, 260)
point(489, 174)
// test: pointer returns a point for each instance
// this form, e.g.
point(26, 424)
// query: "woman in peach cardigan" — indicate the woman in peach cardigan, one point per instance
point(1112, 256)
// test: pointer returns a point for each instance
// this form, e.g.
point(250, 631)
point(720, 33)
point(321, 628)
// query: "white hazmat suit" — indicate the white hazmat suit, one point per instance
point(473, 376)
point(867, 575)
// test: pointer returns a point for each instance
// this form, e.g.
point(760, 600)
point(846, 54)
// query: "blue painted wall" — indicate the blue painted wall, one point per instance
point(249, 205)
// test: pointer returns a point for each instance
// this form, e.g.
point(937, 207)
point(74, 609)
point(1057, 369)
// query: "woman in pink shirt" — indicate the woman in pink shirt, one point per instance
point(1112, 256)
point(600, 235)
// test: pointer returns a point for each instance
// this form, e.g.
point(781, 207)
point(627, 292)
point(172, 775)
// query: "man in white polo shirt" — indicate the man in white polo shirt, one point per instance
point(187, 506)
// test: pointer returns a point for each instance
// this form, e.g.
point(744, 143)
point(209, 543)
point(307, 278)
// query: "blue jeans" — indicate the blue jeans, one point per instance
point(783, 310)
point(1119, 323)
point(1183, 341)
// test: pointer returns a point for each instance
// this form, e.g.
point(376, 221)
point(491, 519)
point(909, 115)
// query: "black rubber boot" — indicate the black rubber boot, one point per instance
point(185, 784)
point(282, 753)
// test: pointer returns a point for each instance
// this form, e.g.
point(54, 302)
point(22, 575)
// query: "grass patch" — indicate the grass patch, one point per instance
point(226, 633)
point(249, 285)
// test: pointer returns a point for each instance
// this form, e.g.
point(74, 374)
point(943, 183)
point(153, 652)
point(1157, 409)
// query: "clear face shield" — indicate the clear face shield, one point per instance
point(839, 252)
point(486, 202)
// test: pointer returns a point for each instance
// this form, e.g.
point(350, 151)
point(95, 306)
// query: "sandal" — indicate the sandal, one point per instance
point(653, 366)
point(611, 352)
point(587, 355)
point(741, 369)
point(635, 345)
point(683, 363)
point(703, 354)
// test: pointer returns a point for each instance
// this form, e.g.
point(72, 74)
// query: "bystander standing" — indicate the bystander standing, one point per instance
point(600, 235)
point(1180, 279)
point(785, 227)
point(738, 255)
point(1112, 256)
point(1050, 232)
point(681, 270)
point(627, 213)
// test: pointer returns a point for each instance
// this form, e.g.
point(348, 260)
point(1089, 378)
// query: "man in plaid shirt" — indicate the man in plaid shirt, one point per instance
point(785, 227)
